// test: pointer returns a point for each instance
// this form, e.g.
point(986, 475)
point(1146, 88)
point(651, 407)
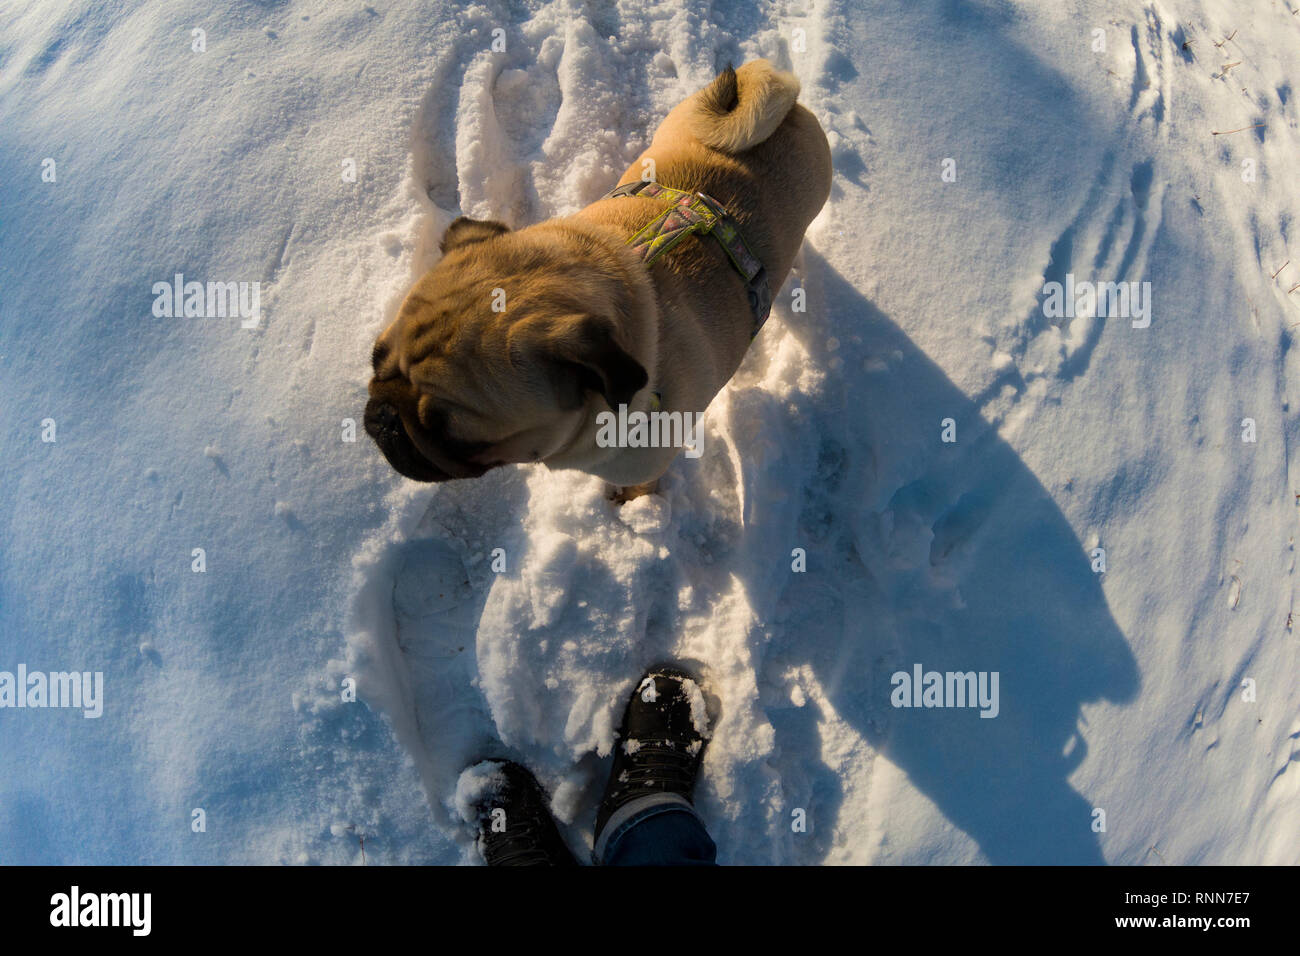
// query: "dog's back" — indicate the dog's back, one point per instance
point(745, 141)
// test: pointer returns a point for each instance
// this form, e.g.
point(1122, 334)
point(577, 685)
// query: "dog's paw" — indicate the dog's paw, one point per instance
point(647, 515)
point(622, 495)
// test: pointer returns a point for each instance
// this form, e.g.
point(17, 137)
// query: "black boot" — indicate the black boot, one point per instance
point(660, 745)
point(515, 826)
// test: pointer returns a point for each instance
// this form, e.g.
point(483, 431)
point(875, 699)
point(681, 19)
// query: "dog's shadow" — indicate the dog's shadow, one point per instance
point(951, 555)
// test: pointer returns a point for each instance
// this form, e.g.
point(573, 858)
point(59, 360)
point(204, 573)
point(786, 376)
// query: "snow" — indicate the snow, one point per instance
point(513, 616)
point(475, 787)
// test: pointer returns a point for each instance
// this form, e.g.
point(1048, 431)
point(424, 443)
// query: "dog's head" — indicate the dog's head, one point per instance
point(498, 353)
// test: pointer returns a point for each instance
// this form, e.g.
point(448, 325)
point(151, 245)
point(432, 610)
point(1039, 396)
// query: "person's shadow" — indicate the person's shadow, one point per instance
point(952, 556)
point(948, 555)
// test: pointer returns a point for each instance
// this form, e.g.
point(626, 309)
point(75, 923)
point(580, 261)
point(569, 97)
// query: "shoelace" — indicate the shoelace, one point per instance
point(529, 856)
point(655, 763)
point(523, 843)
point(520, 845)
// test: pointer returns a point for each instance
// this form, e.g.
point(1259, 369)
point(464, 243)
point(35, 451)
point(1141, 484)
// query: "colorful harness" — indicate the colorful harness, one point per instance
point(696, 213)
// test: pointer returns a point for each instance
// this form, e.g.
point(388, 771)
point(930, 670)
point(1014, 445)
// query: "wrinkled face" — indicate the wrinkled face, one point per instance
point(497, 355)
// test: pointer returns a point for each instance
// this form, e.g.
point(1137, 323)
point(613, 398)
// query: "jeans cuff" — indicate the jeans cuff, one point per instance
point(632, 813)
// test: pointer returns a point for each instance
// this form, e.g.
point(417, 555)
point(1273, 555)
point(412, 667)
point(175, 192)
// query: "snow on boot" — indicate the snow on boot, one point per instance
point(513, 816)
point(661, 742)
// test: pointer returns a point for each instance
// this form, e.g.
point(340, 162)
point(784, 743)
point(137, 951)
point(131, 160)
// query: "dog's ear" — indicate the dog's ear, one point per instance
point(589, 348)
point(463, 231)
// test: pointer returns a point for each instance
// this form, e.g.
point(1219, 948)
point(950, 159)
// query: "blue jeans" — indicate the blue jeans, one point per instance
point(660, 830)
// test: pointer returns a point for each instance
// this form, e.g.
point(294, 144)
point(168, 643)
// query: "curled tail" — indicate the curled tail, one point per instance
point(741, 108)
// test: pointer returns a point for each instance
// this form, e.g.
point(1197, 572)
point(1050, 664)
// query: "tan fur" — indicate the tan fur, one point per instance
point(586, 323)
point(741, 108)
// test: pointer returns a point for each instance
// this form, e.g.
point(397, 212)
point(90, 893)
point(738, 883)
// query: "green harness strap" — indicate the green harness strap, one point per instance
point(697, 214)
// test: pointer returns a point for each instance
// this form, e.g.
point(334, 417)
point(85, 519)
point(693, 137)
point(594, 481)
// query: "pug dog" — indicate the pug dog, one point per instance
point(513, 344)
